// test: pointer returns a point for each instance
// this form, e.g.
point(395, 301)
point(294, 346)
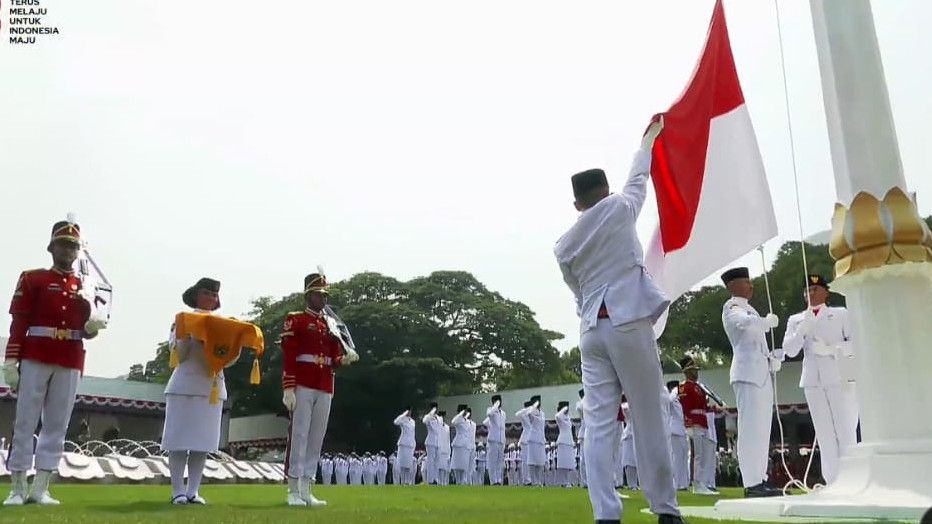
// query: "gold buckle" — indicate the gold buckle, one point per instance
point(62, 334)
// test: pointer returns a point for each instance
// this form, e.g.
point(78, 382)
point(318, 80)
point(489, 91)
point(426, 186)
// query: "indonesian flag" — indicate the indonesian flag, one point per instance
point(712, 194)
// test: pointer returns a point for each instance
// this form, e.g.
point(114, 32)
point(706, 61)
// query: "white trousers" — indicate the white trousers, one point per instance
point(430, 464)
point(46, 392)
point(326, 476)
point(703, 453)
point(755, 413)
point(583, 478)
point(306, 434)
point(834, 412)
point(625, 357)
point(496, 462)
point(479, 477)
point(679, 445)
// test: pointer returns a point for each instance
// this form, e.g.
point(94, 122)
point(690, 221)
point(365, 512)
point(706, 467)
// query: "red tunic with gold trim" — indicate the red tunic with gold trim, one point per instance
point(48, 319)
point(310, 352)
point(695, 404)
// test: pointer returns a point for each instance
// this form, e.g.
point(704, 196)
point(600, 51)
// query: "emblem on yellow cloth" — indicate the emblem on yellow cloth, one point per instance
point(224, 340)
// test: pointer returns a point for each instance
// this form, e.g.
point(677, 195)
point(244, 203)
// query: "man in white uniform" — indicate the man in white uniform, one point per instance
point(822, 334)
point(751, 366)
point(602, 263)
point(382, 468)
point(536, 455)
point(581, 438)
point(566, 461)
point(679, 443)
point(341, 468)
point(481, 465)
point(496, 441)
point(326, 470)
point(445, 451)
point(464, 445)
point(405, 459)
point(431, 443)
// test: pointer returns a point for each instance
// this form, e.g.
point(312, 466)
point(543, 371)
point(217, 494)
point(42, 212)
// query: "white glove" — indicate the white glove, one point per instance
point(775, 365)
point(350, 356)
point(11, 373)
point(808, 322)
point(91, 327)
point(778, 354)
point(772, 320)
point(289, 400)
point(653, 130)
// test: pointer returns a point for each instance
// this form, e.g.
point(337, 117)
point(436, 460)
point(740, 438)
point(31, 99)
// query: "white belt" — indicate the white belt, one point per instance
point(315, 359)
point(58, 334)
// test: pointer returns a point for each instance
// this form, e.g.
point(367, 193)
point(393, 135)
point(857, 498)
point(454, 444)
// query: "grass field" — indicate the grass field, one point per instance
point(384, 504)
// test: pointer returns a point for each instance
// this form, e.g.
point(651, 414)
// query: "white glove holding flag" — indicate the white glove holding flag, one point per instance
point(772, 320)
point(289, 399)
point(350, 356)
point(775, 365)
point(11, 373)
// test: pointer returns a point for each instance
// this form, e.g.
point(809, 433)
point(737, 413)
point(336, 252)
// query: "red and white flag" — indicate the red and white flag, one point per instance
point(712, 193)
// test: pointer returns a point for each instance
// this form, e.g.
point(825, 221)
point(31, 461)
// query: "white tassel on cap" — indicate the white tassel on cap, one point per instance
point(72, 217)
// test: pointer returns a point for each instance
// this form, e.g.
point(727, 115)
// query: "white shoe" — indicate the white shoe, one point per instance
point(40, 489)
point(197, 499)
point(702, 490)
point(15, 499)
point(43, 499)
point(180, 500)
point(295, 500)
point(304, 489)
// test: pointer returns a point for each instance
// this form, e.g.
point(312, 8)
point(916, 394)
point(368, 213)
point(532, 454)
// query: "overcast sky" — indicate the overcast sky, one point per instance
point(251, 142)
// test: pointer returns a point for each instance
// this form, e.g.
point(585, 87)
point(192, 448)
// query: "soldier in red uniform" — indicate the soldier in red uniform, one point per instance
point(44, 361)
point(311, 350)
point(695, 404)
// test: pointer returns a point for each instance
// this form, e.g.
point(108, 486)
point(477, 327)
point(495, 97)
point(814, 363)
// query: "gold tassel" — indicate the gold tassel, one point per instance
point(173, 357)
point(255, 377)
point(214, 392)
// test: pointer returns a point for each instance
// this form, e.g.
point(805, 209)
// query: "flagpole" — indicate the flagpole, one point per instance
point(789, 126)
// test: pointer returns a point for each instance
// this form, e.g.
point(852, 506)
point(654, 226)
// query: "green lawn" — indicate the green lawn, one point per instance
point(383, 504)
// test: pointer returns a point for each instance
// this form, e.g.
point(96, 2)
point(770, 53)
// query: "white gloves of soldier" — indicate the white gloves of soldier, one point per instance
point(350, 357)
point(289, 400)
point(775, 365)
point(11, 373)
point(808, 322)
point(772, 320)
point(653, 130)
point(92, 327)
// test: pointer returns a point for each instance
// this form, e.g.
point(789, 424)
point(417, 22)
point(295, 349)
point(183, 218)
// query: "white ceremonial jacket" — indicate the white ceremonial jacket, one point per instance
point(433, 424)
point(747, 332)
point(825, 347)
point(191, 377)
point(602, 260)
point(535, 425)
point(465, 436)
point(496, 424)
point(406, 423)
point(677, 418)
point(565, 426)
point(444, 447)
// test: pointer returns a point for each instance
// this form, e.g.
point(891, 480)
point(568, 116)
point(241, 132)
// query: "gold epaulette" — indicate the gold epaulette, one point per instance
point(293, 313)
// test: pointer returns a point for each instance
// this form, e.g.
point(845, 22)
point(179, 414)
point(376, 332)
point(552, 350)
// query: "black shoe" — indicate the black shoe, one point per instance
point(607, 521)
point(761, 490)
point(670, 519)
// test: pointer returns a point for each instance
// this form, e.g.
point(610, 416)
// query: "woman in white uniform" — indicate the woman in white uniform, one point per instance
point(192, 423)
